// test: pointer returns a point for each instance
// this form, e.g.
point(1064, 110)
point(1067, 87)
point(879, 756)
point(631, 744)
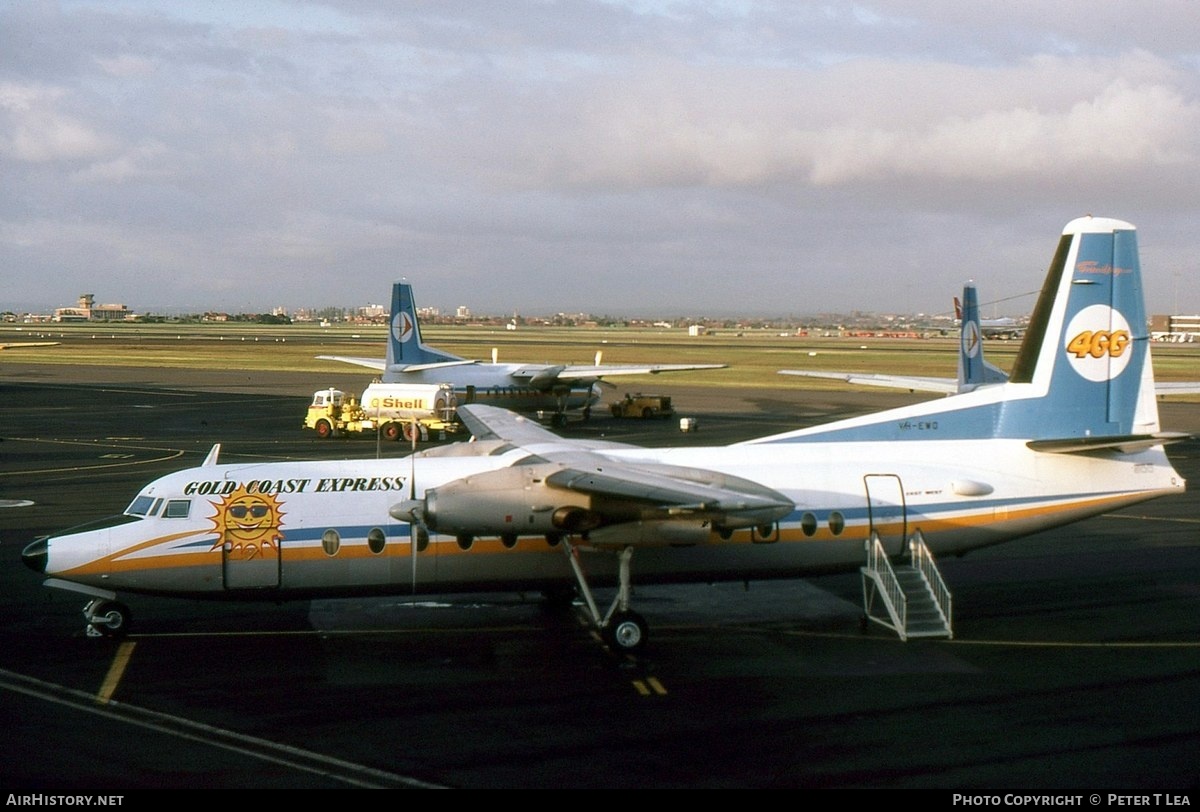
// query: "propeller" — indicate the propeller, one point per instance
point(599, 354)
point(495, 354)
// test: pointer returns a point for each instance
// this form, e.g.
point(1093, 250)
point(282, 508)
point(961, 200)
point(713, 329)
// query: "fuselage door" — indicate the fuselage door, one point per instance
point(886, 513)
point(251, 547)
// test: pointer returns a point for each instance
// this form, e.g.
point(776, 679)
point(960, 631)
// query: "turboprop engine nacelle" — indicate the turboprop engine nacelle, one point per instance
point(509, 501)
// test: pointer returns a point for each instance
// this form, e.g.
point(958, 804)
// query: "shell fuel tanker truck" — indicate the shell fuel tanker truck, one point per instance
point(396, 410)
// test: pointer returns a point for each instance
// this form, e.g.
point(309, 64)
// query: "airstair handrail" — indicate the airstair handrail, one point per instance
point(922, 559)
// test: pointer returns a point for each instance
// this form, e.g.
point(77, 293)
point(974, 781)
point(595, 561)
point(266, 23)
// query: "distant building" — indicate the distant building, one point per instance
point(88, 310)
point(1178, 329)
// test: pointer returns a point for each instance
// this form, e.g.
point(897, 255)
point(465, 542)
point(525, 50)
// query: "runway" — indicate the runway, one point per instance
point(1075, 663)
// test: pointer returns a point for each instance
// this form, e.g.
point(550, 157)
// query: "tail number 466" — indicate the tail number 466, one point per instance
point(1099, 343)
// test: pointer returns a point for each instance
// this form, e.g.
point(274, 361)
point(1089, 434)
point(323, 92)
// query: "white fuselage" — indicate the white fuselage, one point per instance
point(307, 529)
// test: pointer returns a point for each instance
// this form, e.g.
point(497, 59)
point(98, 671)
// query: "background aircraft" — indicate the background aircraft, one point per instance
point(1004, 327)
point(1071, 434)
point(973, 369)
point(547, 388)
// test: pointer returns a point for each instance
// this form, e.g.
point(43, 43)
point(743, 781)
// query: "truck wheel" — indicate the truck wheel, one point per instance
point(324, 430)
point(410, 431)
point(647, 413)
point(392, 432)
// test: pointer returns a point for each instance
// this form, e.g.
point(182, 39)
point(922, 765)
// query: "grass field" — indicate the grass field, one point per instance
point(754, 357)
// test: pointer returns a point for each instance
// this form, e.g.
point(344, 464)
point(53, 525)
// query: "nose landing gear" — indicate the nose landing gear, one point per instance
point(107, 618)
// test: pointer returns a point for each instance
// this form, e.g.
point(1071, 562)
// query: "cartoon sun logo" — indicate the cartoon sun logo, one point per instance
point(248, 524)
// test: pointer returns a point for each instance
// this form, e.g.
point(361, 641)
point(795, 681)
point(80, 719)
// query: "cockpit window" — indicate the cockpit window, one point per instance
point(177, 509)
point(140, 506)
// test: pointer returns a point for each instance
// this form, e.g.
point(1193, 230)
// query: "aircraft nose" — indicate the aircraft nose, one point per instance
point(35, 555)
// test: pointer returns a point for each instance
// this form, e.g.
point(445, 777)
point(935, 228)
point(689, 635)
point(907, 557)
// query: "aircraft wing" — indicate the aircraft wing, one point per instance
point(375, 363)
point(948, 386)
point(615, 501)
point(492, 423)
point(1177, 388)
point(542, 376)
point(369, 363)
point(576, 373)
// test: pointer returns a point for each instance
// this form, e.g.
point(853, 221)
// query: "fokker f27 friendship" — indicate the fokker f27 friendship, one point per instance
point(548, 388)
point(1073, 432)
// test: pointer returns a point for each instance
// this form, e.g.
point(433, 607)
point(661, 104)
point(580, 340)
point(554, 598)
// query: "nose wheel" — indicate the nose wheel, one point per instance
point(107, 618)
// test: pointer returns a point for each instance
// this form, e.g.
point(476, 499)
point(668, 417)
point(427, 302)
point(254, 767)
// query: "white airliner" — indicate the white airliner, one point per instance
point(554, 389)
point(1073, 433)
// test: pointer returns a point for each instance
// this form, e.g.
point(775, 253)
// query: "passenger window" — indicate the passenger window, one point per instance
point(331, 542)
point(376, 540)
point(177, 509)
point(837, 523)
point(808, 523)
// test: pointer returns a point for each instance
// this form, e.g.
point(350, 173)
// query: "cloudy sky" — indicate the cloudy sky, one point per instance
point(625, 157)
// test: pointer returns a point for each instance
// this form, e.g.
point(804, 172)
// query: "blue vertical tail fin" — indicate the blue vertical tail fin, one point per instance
point(404, 347)
point(1087, 349)
point(1082, 379)
point(973, 370)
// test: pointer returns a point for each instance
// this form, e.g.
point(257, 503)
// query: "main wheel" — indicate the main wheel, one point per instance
point(626, 632)
point(324, 430)
point(110, 618)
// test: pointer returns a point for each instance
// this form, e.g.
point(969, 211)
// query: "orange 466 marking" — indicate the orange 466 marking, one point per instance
point(1099, 343)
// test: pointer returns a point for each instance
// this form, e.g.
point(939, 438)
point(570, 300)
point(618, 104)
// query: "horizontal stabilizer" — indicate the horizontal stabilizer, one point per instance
point(1127, 444)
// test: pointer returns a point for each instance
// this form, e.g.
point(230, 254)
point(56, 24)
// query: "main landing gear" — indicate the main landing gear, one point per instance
point(622, 629)
point(107, 618)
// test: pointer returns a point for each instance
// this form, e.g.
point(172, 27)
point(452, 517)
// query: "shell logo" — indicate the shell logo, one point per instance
point(1098, 343)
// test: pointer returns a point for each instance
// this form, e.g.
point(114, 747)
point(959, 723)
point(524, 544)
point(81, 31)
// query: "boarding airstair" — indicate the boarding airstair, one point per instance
point(909, 597)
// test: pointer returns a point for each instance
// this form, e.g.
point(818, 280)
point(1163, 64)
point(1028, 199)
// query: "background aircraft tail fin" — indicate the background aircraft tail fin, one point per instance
point(973, 370)
point(404, 346)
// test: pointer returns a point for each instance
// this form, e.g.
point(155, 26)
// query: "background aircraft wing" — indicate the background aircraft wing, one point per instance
point(577, 373)
point(379, 364)
point(914, 384)
point(1177, 388)
point(369, 363)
